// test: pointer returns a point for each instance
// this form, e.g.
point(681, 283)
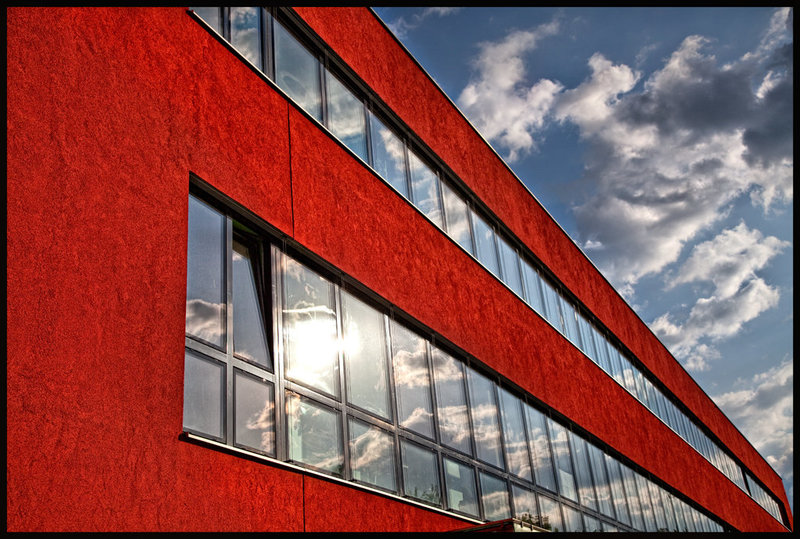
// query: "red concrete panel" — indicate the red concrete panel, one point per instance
point(335, 507)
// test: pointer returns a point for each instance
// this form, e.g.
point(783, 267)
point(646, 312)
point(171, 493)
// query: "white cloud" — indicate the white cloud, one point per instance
point(499, 102)
point(763, 409)
point(730, 259)
point(401, 26)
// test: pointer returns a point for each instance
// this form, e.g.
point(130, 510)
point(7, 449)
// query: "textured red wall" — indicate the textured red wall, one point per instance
point(421, 105)
point(108, 111)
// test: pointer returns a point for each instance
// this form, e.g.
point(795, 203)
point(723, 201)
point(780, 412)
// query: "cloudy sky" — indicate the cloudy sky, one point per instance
point(661, 141)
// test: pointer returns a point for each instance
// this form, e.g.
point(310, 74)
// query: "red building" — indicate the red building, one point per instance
point(382, 328)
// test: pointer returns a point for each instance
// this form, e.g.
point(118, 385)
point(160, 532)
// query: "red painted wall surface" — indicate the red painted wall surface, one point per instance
point(108, 112)
point(421, 105)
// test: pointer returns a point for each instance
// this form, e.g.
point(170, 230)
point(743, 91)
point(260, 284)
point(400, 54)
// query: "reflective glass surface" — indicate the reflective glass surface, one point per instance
point(249, 332)
point(570, 322)
point(205, 275)
point(587, 339)
point(457, 216)
point(485, 419)
point(412, 381)
point(549, 514)
point(246, 33)
point(494, 497)
point(566, 480)
point(525, 505)
point(632, 493)
point(572, 519)
point(516, 444)
point(203, 395)
point(459, 480)
point(658, 508)
point(644, 499)
point(425, 189)
point(388, 155)
point(372, 455)
point(309, 318)
point(315, 436)
point(297, 72)
point(364, 345)
point(601, 483)
point(254, 413)
point(420, 473)
point(533, 293)
point(346, 116)
point(211, 15)
point(510, 261)
point(540, 448)
point(591, 524)
point(451, 402)
point(551, 305)
point(484, 244)
point(617, 490)
point(583, 474)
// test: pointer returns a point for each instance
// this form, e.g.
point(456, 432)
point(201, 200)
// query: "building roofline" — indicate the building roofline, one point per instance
point(522, 183)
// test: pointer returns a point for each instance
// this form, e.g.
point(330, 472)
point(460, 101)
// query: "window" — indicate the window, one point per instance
point(346, 116)
point(388, 155)
point(297, 71)
point(510, 260)
point(425, 189)
point(246, 33)
point(485, 244)
point(457, 218)
point(361, 397)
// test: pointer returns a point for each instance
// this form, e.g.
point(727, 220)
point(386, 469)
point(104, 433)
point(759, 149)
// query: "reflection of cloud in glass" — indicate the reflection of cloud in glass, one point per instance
point(453, 426)
point(487, 431)
point(411, 369)
point(394, 150)
point(370, 449)
point(315, 435)
point(263, 421)
point(204, 320)
point(245, 33)
point(419, 419)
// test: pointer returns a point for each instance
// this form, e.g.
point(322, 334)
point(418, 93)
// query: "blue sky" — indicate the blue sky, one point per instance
point(661, 140)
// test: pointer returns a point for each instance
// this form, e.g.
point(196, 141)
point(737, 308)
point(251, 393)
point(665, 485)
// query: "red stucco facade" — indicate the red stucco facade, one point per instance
point(108, 112)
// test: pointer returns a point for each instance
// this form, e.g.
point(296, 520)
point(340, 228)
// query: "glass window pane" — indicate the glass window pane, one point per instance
point(601, 484)
point(592, 524)
point(346, 116)
point(677, 507)
point(364, 345)
point(494, 497)
point(658, 508)
point(297, 72)
point(309, 318)
point(583, 475)
point(457, 216)
point(631, 491)
point(525, 505)
point(451, 402)
point(668, 512)
point(460, 482)
point(372, 455)
point(514, 436)
point(549, 514)
point(644, 499)
point(570, 322)
point(587, 339)
point(510, 260)
point(485, 419)
point(315, 436)
point(254, 413)
point(551, 307)
point(412, 381)
point(249, 332)
point(540, 448)
point(388, 155)
point(609, 528)
point(629, 381)
point(205, 274)
point(484, 242)
point(420, 473)
point(203, 395)
point(616, 366)
point(601, 353)
point(211, 15)
point(246, 33)
point(572, 519)
point(533, 294)
point(425, 189)
point(617, 490)
point(558, 439)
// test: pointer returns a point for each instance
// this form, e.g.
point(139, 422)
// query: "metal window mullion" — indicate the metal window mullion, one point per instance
point(337, 297)
point(226, 23)
point(281, 431)
point(528, 446)
point(229, 416)
point(407, 163)
point(368, 131)
point(268, 43)
point(432, 392)
point(496, 392)
point(394, 418)
point(322, 63)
